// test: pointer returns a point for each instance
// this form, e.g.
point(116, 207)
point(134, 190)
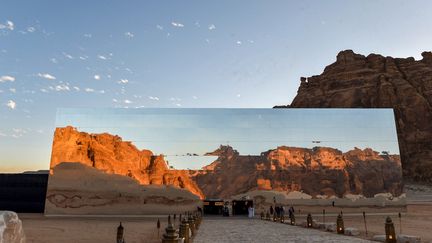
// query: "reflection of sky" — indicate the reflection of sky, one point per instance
point(250, 131)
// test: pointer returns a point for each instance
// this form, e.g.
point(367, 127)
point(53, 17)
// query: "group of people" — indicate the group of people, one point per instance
point(279, 211)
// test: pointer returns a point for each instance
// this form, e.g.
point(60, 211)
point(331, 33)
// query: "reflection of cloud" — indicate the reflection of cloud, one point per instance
point(7, 78)
point(11, 104)
point(9, 25)
point(177, 24)
point(46, 76)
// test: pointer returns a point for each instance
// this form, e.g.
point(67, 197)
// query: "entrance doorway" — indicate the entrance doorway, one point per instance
point(240, 207)
point(213, 207)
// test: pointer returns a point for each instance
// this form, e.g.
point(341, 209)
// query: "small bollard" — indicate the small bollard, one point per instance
point(390, 231)
point(120, 234)
point(268, 216)
point(171, 235)
point(292, 219)
point(309, 220)
point(262, 215)
point(158, 227)
point(400, 223)
point(364, 219)
point(191, 223)
point(184, 230)
point(282, 219)
point(340, 228)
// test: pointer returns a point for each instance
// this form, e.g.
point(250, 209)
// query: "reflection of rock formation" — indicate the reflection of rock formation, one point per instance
point(75, 188)
point(375, 81)
point(110, 154)
point(317, 171)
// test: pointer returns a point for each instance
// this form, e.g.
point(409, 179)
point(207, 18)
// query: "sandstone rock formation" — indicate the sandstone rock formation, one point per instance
point(110, 154)
point(11, 230)
point(375, 81)
point(316, 171)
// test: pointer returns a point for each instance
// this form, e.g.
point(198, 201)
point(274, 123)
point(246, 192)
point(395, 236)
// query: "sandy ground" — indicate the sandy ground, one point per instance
point(226, 230)
point(38, 228)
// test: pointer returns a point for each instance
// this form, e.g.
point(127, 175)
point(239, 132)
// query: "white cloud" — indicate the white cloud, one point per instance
point(177, 24)
point(76, 88)
point(153, 97)
point(89, 90)
point(44, 90)
point(13, 90)
point(9, 25)
point(102, 57)
point(11, 104)
point(115, 100)
point(3, 134)
point(62, 87)
point(31, 29)
point(123, 81)
point(238, 42)
point(97, 77)
point(159, 27)
point(127, 102)
point(88, 35)
point(129, 34)
point(46, 76)
point(238, 95)
point(194, 97)
point(212, 27)
point(7, 78)
point(68, 56)
point(102, 91)
point(53, 60)
point(178, 105)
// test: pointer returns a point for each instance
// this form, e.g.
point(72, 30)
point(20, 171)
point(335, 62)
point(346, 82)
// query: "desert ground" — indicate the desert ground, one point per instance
point(39, 228)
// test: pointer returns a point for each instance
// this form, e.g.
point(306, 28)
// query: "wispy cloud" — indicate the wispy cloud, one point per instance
point(127, 102)
point(212, 27)
point(129, 34)
point(31, 29)
point(123, 81)
point(89, 90)
point(7, 78)
point(153, 97)
point(9, 25)
point(62, 87)
point(97, 77)
point(177, 24)
point(46, 76)
point(102, 57)
point(11, 104)
point(159, 27)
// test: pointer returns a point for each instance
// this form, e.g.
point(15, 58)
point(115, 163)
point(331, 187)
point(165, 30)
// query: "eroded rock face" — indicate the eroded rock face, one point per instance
point(110, 154)
point(11, 230)
point(316, 171)
point(375, 81)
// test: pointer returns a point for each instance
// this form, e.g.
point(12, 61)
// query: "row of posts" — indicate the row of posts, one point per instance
point(189, 224)
point(390, 232)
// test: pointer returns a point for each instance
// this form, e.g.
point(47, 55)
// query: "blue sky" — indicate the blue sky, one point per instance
point(177, 54)
point(175, 132)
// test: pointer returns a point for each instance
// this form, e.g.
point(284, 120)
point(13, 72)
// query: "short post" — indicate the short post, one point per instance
point(191, 223)
point(268, 216)
point(170, 235)
point(340, 228)
point(390, 231)
point(292, 219)
point(364, 219)
point(158, 227)
point(120, 234)
point(309, 220)
point(400, 223)
point(324, 215)
point(184, 230)
point(262, 215)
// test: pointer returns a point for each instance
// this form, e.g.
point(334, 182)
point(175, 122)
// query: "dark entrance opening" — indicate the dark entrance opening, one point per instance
point(213, 207)
point(240, 207)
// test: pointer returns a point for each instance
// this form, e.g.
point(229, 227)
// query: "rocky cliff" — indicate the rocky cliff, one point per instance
point(375, 81)
point(110, 154)
point(316, 171)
